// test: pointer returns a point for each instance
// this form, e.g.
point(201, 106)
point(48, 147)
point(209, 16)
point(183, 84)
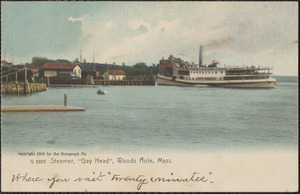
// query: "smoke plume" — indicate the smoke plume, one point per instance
point(219, 43)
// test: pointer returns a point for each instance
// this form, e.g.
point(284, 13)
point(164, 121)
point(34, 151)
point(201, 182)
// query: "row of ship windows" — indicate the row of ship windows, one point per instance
point(243, 78)
point(226, 78)
point(206, 72)
point(202, 78)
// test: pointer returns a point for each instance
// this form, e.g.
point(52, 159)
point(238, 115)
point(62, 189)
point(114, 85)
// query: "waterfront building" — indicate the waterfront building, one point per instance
point(56, 69)
point(91, 69)
point(5, 63)
point(35, 70)
point(114, 75)
point(17, 67)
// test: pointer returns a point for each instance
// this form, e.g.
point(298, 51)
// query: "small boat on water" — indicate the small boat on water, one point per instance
point(100, 92)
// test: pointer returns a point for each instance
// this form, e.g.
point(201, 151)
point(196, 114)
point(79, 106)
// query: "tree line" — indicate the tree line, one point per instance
point(140, 68)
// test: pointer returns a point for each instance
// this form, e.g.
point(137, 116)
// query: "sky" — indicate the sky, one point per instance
point(233, 33)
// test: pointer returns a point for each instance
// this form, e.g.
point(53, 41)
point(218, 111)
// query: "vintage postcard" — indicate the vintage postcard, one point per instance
point(149, 96)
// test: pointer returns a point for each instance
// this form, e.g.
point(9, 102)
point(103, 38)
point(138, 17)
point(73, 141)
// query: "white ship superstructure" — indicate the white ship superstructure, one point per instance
point(174, 71)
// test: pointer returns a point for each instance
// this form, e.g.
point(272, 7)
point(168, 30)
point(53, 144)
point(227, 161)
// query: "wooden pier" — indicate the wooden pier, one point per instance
point(40, 109)
point(21, 88)
point(125, 82)
point(72, 86)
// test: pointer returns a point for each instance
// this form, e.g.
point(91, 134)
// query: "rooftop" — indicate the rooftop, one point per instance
point(17, 67)
point(33, 67)
point(65, 66)
point(116, 72)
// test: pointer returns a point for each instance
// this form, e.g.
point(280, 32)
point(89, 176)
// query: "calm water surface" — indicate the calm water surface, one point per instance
point(129, 119)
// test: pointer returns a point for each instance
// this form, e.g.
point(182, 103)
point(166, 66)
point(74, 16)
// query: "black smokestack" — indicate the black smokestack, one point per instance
point(201, 56)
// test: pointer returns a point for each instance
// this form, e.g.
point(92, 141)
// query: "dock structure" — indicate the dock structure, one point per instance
point(40, 109)
point(21, 88)
point(72, 86)
point(125, 82)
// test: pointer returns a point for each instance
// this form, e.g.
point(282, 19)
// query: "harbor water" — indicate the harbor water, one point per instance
point(161, 118)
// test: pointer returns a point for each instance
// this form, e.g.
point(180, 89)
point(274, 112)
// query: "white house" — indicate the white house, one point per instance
point(55, 69)
point(114, 75)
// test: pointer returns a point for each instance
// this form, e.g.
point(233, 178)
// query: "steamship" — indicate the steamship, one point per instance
point(174, 71)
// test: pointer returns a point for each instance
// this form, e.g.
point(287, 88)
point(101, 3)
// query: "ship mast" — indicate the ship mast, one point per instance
point(81, 53)
point(5, 49)
point(94, 57)
point(12, 52)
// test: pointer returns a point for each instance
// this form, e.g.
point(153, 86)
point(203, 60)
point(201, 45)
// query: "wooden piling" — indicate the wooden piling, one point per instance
point(25, 88)
point(25, 75)
point(18, 90)
point(48, 81)
point(65, 100)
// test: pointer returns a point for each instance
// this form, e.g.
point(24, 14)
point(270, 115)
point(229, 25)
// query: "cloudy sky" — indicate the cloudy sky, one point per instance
point(233, 33)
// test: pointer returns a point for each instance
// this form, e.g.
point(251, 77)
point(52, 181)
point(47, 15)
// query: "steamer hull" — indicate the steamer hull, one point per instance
point(177, 72)
point(262, 83)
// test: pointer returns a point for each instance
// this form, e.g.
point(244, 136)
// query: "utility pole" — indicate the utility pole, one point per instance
point(25, 74)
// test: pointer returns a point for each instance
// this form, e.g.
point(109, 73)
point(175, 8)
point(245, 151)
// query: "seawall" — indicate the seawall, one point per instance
point(21, 88)
point(125, 82)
